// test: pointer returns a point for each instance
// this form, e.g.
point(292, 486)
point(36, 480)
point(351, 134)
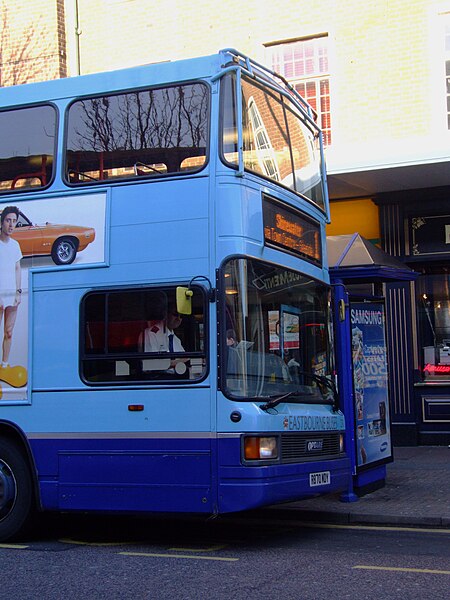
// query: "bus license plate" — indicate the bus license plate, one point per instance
point(322, 478)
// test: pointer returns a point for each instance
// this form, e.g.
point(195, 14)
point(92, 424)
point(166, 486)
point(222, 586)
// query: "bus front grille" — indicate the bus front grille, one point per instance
point(303, 446)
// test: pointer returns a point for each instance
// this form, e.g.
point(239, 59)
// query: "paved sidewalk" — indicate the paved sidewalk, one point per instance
point(417, 493)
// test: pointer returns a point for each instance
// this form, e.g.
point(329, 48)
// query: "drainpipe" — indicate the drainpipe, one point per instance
point(78, 33)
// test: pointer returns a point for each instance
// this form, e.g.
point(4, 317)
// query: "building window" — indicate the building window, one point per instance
point(304, 63)
point(447, 67)
point(434, 323)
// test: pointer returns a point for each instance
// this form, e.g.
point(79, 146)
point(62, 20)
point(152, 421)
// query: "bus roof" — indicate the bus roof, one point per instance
point(110, 81)
point(144, 76)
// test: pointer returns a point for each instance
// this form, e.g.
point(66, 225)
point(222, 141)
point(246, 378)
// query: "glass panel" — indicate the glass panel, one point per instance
point(306, 154)
point(138, 335)
point(290, 230)
point(447, 68)
point(266, 142)
point(229, 119)
point(278, 325)
point(447, 37)
point(434, 325)
point(323, 56)
point(27, 145)
point(273, 138)
point(311, 93)
point(147, 133)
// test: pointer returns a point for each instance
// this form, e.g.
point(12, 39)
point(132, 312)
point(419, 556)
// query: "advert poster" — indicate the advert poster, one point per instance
point(52, 232)
point(274, 329)
point(291, 331)
point(373, 437)
point(289, 322)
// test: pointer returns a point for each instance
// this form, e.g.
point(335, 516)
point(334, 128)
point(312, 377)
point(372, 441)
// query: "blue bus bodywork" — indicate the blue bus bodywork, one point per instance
point(93, 428)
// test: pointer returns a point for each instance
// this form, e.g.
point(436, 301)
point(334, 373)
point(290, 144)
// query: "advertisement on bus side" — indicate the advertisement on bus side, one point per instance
point(52, 232)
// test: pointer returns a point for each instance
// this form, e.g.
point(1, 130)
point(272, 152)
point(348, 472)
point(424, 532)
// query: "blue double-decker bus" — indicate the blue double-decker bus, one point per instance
point(166, 322)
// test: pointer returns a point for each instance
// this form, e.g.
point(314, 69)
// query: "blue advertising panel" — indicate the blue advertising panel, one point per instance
point(373, 436)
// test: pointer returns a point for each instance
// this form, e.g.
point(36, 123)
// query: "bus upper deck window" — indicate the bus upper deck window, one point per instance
point(146, 133)
point(27, 140)
point(279, 142)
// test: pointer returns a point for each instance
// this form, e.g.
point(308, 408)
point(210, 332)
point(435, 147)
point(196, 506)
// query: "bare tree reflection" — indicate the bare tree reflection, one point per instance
point(23, 55)
point(173, 117)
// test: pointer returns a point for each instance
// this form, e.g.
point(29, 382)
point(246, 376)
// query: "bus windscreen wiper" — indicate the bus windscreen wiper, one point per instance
point(321, 379)
point(329, 383)
point(275, 400)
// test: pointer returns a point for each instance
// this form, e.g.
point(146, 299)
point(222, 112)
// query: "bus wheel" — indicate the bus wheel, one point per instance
point(16, 491)
point(64, 251)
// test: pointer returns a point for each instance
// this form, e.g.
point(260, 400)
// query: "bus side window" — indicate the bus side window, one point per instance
point(138, 335)
point(28, 138)
point(150, 134)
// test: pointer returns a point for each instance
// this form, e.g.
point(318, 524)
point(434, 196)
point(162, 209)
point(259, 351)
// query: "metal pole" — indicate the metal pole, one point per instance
point(345, 380)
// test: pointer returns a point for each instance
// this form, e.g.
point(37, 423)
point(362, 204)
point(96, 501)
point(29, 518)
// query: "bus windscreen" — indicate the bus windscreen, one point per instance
point(279, 141)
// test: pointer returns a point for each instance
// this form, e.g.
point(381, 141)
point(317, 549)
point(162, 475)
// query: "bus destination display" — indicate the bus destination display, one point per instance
point(291, 231)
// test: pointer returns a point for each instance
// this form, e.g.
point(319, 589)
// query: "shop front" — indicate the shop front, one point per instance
point(420, 222)
point(404, 210)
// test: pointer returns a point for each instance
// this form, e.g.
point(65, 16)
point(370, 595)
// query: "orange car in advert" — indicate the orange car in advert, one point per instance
point(61, 242)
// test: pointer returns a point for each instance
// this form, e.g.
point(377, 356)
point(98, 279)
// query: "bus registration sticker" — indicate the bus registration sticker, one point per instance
point(322, 478)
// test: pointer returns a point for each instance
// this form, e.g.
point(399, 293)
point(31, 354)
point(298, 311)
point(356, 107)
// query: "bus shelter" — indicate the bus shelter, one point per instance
point(358, 270)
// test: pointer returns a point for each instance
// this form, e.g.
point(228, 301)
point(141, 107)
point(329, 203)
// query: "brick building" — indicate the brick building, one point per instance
point(32, 41)
point(378, 73)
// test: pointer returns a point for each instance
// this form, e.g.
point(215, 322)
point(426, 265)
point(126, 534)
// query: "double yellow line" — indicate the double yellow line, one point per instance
point(402, 569)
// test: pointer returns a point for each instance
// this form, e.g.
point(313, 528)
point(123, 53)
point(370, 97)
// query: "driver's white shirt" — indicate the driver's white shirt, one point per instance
point(156, 339)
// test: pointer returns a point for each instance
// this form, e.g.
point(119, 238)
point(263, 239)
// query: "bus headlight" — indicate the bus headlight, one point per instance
point(260, 448)
point(341, 442)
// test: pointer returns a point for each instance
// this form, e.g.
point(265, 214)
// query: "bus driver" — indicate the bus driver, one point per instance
point(160, 337)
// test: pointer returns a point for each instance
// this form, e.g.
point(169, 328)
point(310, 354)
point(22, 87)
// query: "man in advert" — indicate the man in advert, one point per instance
point(10, 294)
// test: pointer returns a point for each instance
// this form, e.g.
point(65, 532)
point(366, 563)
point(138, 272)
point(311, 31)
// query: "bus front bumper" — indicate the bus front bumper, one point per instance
point(248, 487)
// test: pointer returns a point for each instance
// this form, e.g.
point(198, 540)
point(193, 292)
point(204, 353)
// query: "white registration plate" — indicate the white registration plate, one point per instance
point(322, 478)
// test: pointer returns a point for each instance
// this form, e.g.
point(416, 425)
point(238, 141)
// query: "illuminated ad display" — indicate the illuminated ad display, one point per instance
point(288, 230)
point(370, 381)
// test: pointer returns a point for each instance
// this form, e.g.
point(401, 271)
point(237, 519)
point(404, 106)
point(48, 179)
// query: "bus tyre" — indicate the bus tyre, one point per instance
point(64, 251)
point(16, 491)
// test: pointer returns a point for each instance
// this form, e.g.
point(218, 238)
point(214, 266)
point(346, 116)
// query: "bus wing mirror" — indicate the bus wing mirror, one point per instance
point(184, 300)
